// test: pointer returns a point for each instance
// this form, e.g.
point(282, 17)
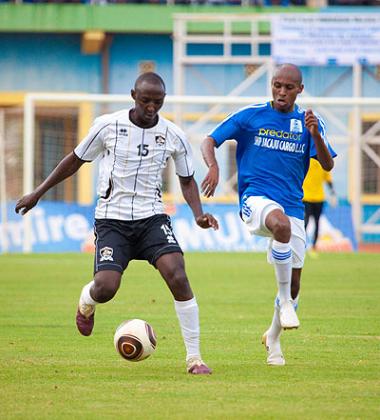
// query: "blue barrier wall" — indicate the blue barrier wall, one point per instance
point(58, 227)
point(48, 63)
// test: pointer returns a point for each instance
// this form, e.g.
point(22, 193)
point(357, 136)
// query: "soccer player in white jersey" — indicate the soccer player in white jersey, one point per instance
point(275, 142)
point(130, 222)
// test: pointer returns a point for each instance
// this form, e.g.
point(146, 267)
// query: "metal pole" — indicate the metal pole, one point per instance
point(179, 70)
point(28, 183)
point(357, 155)
point(178, 66)
point(3, 190)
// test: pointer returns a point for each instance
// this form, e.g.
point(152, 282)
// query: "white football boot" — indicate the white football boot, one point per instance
point(273, 347)
point(288, 316)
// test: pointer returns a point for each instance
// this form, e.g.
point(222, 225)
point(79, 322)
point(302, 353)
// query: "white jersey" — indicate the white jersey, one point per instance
point(132, 163)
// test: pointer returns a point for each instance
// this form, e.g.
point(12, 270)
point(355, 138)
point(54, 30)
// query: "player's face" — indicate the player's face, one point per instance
point(285, 88)
point(149, 99)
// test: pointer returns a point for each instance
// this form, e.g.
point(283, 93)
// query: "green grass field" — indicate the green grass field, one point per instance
point(333, 361)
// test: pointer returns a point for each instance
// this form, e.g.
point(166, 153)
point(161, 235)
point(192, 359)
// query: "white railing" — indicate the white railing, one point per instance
point(353, 137)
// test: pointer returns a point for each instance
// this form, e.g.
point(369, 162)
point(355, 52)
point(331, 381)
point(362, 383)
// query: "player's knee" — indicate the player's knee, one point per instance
point(179, 285)
point(281, 230)
point(104, 293)
point(105, 289)
point(178, 279)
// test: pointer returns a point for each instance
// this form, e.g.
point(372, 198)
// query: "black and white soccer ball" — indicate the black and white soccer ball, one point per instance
point(135, 340)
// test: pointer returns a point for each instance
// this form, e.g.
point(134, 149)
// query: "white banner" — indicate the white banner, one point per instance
point(320, 39)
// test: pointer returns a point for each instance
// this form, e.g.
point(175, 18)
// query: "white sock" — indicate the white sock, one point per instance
point(282, 261)
point(85, 296)
point(188, 316)
point(275, 329)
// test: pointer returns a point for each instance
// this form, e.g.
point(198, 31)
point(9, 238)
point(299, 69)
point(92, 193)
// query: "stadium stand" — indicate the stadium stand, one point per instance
point(266, 3)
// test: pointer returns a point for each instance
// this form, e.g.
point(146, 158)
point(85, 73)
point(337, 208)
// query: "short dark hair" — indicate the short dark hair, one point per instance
point(293, 68)
point(150, 77)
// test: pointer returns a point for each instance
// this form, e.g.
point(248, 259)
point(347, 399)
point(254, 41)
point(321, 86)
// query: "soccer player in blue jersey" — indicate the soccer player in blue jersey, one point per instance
point(275, 141)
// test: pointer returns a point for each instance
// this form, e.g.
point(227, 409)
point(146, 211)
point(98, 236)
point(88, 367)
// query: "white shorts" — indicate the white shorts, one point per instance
point(255, 212)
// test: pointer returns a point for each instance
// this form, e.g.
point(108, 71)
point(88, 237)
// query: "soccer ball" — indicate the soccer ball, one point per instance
point(135, 340)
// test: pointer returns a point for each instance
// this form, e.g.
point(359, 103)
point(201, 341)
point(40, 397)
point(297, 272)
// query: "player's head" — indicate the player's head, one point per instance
point(148, 94)
point(286, 85)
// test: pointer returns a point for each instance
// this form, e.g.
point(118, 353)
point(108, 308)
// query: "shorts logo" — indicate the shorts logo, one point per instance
point(246, 210)
point(295, 126)
point(169, 234)
point(160, 140)
point(106, 254)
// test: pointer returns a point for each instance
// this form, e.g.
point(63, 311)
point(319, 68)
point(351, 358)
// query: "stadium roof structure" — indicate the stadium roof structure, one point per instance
point(115, 18)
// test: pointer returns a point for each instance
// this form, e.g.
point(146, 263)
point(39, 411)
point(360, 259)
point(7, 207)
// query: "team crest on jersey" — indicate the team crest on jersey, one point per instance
point(295, 126)
point(106, 254)
point(123, 132)
point(160, 140)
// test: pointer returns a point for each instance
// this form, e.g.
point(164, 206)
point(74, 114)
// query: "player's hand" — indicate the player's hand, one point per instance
point(206, 221)
point(333, 200)
point(209, 184)
point(26, 203)
point(311, 122)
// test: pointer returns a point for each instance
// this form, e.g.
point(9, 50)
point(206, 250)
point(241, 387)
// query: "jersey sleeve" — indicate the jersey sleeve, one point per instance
point(228, 129)
point(322, 130)
point(183, 157)
point(93, 144)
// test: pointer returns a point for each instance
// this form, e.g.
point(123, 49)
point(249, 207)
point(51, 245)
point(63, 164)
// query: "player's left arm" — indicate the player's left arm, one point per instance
point(190, 193)
point(323, 154)
point(331, 186)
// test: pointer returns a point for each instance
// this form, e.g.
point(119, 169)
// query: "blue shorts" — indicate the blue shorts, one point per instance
point(119, 241)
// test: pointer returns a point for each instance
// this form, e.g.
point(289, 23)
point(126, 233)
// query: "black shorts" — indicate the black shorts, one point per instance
point(117, 241)
point(313, 208)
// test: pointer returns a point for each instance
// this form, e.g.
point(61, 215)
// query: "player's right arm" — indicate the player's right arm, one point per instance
point(65, 168)
point(321, 147)
point(86, 151)
point(210, 182)
point(229, 128)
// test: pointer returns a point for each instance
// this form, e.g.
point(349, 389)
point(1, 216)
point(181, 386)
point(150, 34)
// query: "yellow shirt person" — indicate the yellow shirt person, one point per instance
point(313, 185)
point(314, 195)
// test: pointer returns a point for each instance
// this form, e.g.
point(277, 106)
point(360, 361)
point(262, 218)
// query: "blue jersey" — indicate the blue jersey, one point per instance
point(273, 153)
